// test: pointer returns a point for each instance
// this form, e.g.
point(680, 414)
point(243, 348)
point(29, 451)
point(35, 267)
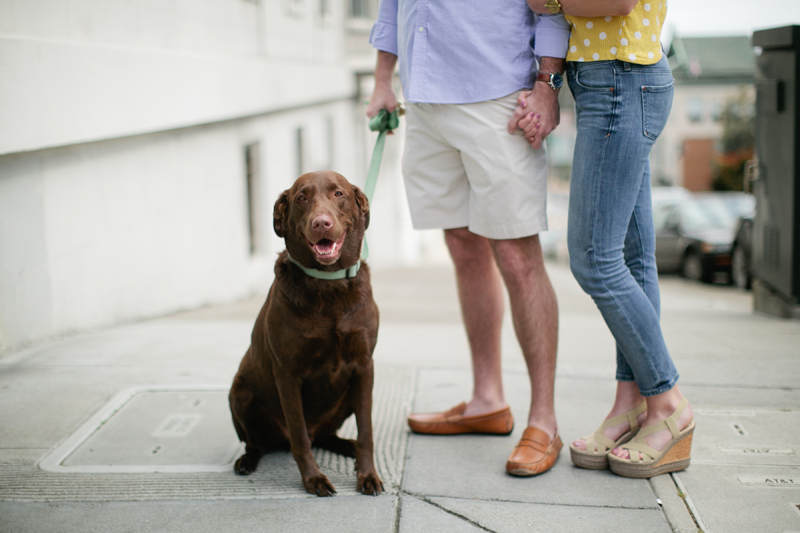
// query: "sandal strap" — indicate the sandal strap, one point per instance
point(603, 443)
point(645, 452)
point(638, 443)
point(671, 423)
point(632, 417)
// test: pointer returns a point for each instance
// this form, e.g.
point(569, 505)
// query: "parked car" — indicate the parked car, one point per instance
point(742, 254)
point(738, 204)
point(695, 232)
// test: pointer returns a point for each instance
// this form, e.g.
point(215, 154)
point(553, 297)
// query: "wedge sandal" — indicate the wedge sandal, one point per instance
point(646, 462)
point(595, 456)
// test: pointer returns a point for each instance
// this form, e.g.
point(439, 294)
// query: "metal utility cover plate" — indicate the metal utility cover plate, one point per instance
point(153, 429)
point(747, 437)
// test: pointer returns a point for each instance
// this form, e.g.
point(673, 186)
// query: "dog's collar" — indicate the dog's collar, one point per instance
point(345, 273)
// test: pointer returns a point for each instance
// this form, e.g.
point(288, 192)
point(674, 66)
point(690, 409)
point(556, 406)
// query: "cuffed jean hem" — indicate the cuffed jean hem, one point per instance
point(655, 392)
point(660, 389)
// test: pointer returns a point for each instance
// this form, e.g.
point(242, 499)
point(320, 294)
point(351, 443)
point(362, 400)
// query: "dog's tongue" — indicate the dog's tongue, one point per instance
point(325, 247)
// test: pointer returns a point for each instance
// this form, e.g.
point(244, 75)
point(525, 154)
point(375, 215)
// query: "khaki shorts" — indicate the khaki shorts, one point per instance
point(463, 169)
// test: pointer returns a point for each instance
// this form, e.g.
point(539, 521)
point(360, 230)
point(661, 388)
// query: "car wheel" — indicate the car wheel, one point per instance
point(692, 267)
point(740, 273)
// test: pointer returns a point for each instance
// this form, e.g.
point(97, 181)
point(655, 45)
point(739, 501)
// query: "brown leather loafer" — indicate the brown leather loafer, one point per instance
point(453, 422)
point(534, 453)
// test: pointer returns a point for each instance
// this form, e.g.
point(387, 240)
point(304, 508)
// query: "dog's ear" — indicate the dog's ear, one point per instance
point(363, 205)
point(279, 214)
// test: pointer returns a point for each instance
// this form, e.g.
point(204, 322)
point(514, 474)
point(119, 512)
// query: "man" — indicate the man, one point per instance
point(462, 66)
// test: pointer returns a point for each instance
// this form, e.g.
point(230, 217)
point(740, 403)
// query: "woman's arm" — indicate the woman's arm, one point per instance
point(587, 8)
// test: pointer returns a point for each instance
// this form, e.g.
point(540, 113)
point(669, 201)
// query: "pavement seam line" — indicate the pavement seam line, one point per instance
point(701, 527)
point(499, 500)
point(453, 513)
point(684, 383)
point(398, 511)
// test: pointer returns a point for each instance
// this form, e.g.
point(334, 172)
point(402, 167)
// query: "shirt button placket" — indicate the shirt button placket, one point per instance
point(420, 54)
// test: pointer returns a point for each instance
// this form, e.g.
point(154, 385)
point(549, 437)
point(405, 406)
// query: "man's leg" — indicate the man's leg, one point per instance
point(535, 313)
point(480, 292)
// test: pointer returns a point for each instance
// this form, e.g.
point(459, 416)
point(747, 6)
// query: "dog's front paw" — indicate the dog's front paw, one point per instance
point(369, 484)
point(245, 465)
point(319, 485)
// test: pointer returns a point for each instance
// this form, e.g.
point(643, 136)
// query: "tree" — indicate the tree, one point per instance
point(738, 140)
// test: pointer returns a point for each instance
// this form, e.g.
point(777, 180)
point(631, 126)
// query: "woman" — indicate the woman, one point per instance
point(623, 91)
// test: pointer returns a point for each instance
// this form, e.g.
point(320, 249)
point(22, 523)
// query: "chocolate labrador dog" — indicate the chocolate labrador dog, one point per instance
point(309, 365)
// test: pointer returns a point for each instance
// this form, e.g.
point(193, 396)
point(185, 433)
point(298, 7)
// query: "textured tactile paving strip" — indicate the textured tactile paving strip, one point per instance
point(277, 475)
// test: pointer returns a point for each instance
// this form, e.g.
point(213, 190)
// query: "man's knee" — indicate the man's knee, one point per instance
point(519, 257)
point(465, 245)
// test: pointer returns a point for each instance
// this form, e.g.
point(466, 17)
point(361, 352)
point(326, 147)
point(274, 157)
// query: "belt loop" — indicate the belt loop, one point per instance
point(627, 66)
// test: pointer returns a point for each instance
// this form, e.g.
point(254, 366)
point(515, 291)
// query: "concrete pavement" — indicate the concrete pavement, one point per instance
point(127, 429)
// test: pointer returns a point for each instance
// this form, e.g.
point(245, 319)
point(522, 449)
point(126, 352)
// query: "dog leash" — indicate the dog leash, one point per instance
point(383, 123)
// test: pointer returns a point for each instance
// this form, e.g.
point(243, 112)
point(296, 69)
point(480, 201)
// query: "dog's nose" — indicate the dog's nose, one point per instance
point(321, 223)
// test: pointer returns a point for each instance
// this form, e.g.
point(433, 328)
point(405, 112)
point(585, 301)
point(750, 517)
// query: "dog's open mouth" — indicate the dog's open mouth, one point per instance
point(327, 251)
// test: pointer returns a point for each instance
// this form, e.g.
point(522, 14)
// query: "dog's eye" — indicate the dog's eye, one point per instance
point(338, 194)
point(301, 198)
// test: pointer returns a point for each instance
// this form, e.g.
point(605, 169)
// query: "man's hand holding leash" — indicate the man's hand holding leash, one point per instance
point(383, 96)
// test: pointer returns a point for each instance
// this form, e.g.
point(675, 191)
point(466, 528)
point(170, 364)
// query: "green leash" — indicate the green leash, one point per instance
point(383, 123)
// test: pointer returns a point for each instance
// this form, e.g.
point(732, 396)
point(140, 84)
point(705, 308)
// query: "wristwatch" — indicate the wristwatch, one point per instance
point(554, 6)
point(553, 79)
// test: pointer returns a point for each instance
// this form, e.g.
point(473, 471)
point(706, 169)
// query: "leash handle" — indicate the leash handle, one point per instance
point(383, 122)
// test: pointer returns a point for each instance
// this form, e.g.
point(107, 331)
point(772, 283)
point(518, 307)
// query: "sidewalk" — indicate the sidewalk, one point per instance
point(128, 429)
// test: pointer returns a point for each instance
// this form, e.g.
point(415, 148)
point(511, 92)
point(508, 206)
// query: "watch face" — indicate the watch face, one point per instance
point(557, 80)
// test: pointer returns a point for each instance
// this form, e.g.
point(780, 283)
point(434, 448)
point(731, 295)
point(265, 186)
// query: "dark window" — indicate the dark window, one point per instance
point(359, 9)
point(301, 156)
point(252, 172)
point(329, 133)
point(695, 110)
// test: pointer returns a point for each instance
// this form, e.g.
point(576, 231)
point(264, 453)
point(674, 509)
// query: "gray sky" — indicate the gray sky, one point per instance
point(728, 17)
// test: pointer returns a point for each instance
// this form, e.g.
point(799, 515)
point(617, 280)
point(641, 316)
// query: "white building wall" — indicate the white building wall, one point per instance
point(119, 230)
point(123, 126)
point(78, 71)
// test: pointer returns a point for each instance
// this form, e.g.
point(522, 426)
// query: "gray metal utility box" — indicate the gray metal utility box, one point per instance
point(776, 228)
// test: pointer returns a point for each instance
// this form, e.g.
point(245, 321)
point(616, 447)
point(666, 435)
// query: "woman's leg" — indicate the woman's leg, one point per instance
point(610, 228)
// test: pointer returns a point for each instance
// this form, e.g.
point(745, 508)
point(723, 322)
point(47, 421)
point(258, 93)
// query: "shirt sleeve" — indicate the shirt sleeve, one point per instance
point(384, 32)
point(551, 36)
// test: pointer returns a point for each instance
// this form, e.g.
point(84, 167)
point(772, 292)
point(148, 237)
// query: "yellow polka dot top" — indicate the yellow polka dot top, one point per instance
point(635, 38)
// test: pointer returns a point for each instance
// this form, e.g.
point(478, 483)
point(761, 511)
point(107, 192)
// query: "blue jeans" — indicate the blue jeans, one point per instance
point(621, 108)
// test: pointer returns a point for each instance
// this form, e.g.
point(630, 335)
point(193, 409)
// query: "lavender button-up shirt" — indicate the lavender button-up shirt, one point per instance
point(466, 51)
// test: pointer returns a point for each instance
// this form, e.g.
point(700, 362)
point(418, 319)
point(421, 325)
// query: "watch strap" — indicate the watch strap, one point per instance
point(548, 78)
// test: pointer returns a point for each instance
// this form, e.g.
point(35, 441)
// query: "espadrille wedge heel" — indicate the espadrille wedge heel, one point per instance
point(595, 456)
point(646, 462)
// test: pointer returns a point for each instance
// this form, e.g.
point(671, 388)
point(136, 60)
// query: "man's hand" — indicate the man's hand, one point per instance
point(383, 96)
point(537, 114)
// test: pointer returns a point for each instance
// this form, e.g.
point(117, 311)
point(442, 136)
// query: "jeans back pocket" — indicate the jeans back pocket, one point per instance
point(656, 105)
